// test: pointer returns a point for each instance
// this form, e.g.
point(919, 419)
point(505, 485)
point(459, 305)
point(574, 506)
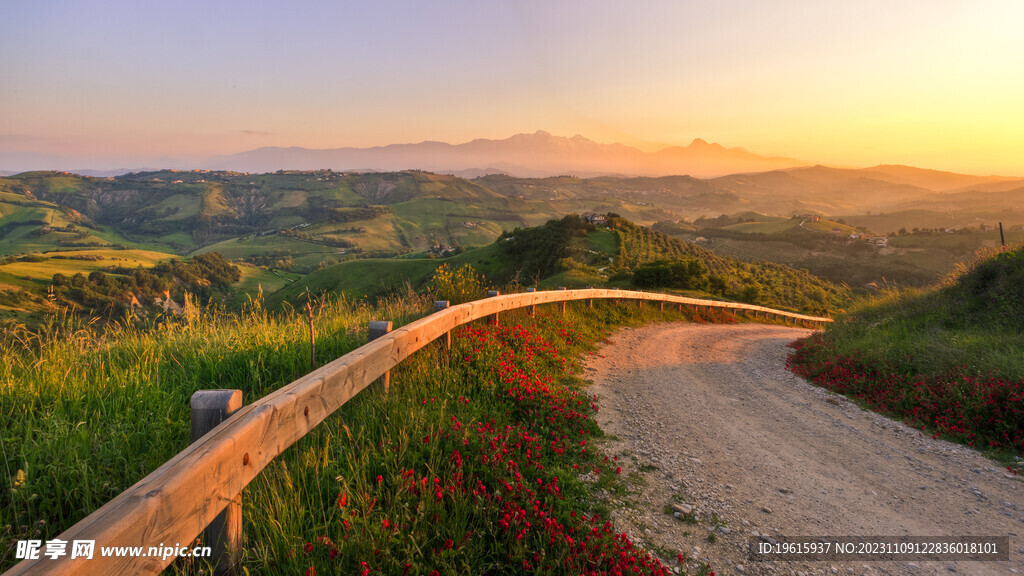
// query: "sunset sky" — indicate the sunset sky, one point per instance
point(930, 83)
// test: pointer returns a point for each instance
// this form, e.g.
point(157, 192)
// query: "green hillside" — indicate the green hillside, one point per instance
point(301, 221)
point(973, 321)
point(945, 358)
point(317, 218)
point(571, 252)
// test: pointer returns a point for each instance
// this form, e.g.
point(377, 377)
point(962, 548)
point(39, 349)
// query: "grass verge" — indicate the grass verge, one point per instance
point(476, 462)
point(945, 360)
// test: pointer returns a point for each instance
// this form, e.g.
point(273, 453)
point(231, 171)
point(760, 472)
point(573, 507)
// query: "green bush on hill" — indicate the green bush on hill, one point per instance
point(685, 274)
point(456, 285)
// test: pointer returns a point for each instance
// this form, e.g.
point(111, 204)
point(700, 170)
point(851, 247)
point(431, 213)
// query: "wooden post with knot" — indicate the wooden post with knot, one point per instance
point(561, 305)
point(377, 329)
point(531, 309)
point(224, 535)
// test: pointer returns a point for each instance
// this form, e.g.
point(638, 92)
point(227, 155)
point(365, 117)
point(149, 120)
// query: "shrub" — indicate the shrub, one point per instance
point(457, 286)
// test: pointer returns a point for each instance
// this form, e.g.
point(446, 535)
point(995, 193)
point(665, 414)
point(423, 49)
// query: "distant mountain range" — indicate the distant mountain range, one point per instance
point(541, 155)
point(534, 155)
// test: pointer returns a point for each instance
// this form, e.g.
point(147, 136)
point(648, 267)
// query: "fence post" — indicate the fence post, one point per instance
point(639, 302)
point(493, 317)
point(438, 306)
point(590, 301)
point(224, 535)
point(377, 329)
point(561, 305)
point(531, 308)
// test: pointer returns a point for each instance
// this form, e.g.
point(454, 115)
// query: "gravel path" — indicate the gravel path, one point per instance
point(707, 416)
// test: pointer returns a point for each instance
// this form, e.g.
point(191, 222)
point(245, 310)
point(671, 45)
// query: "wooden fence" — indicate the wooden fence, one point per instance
point(203, 483)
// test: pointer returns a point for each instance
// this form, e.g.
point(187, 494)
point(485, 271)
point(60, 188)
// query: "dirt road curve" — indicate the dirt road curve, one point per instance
point(708, 416)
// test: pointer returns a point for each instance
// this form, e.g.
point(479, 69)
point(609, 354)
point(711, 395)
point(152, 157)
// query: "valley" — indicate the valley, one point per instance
point(365, 234)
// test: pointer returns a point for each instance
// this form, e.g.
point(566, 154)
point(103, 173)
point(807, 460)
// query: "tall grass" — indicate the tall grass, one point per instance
point(86, 412)
point(972, 322)
point(945, 359)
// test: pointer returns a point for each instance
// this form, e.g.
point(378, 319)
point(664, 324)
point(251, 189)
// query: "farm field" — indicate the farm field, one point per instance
point(82, 261)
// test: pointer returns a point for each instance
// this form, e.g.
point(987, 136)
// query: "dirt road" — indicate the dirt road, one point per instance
point(707, 416)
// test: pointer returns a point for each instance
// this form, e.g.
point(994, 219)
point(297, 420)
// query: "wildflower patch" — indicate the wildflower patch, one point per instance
point(480, 469)
point(983, 412)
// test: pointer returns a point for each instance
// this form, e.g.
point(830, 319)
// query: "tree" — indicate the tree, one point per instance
point(751, 293)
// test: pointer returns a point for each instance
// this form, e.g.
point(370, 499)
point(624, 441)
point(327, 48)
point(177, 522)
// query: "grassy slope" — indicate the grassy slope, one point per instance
point(974, 322)
point(946, 359)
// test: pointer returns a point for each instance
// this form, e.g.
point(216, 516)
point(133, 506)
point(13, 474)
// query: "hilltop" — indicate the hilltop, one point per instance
point(573, 252)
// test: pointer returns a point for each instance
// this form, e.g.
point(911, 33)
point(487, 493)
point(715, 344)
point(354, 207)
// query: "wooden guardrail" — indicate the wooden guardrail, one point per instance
point(174, 504)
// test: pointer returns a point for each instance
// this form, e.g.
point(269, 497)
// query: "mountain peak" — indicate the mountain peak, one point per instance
point(700, 144)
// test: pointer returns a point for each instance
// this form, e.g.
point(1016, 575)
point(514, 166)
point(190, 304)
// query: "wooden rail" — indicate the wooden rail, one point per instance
point(177, 501)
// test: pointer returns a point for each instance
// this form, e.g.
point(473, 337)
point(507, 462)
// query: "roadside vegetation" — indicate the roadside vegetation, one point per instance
point(944, 359)
point(478, 461)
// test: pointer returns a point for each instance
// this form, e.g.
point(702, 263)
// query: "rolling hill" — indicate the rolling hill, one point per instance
point(302, 221)
point(570, 252)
